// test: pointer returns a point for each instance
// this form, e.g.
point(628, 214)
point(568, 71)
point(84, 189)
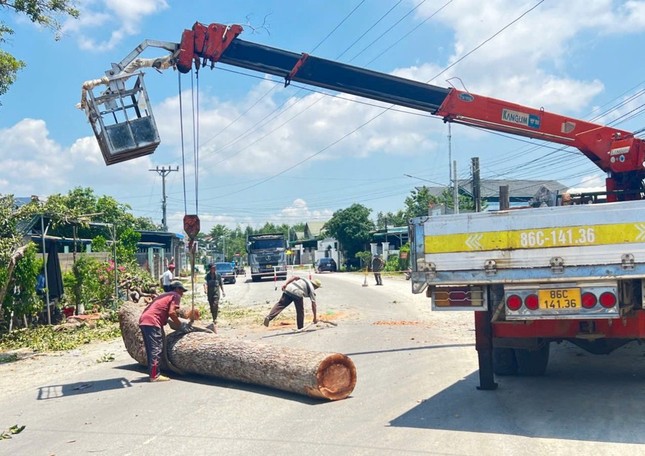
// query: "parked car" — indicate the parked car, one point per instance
point(326, 264)
point(227, 272)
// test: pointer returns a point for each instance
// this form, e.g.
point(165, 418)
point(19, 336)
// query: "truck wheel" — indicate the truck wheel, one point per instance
point(532, 362)
point(504, 361)
point(255, 278)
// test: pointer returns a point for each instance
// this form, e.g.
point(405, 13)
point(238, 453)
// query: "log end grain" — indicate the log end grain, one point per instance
point(336, 377)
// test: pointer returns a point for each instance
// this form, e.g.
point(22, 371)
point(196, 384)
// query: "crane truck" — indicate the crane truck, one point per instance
point(531, 277)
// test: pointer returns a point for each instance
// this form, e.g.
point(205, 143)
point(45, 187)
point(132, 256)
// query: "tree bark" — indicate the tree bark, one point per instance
point(321, 375)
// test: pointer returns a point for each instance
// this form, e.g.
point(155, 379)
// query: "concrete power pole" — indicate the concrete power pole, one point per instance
point(455, 190)
point(477, 196)
point(163, 172)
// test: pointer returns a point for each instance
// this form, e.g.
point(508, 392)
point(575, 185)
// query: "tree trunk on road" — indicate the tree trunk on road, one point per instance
point(322, 375)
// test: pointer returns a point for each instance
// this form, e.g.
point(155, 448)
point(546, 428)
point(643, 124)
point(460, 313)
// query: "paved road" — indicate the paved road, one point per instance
point(416, 393)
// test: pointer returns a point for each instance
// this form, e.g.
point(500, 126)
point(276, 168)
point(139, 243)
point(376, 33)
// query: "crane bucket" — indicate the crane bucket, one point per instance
point(122, 119)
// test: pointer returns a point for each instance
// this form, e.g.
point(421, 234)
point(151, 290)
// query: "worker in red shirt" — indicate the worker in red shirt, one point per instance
point(153, 319)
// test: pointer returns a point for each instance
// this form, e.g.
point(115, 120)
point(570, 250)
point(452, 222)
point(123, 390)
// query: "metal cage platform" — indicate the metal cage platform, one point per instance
point(122, 120)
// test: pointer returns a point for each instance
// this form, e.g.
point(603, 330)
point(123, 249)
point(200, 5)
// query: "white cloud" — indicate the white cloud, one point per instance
point(122, 17)
point(299, 211)
point(269, 139)
point(589, 184)
point(518, 63)
point(33, 163)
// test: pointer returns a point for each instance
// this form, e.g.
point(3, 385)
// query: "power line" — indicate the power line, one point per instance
point(333, 143)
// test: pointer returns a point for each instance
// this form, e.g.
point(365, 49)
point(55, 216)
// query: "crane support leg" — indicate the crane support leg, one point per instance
point(484, 346)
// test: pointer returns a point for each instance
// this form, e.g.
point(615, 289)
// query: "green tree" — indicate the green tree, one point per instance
point(420, 200)
point(466, 202)
point(237, 244)
point(42, 12)
point(22, 299)
point(84, 207)
point(416, 205)
point(351, 227)
point(391, 219)
point(126, 247)
point(218, 237)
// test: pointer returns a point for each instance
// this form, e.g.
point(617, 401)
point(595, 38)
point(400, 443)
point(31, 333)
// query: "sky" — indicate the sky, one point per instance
point(266, 153)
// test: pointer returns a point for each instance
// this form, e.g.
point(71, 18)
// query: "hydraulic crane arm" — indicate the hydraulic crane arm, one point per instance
point(614, 151)
point(334, 76)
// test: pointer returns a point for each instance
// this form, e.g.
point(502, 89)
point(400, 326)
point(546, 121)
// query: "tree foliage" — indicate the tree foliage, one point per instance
point(9, 67)
point(45, 13)
point(416, 205)
point(390, 219)
point(466, 203)
point(421, 200)
point(351, 227)
point(21, 299)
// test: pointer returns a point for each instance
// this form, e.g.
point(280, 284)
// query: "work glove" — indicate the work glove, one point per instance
point(185, 327)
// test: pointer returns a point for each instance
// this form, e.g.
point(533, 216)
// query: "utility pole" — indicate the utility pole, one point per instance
point(477, 194)
point(163, 172)
point(449, 152)
point(455, 192)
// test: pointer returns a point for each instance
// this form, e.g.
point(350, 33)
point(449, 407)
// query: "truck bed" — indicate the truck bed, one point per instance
point(562, 243)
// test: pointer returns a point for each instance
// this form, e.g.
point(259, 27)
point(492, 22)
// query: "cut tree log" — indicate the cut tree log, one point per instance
point(321, 375)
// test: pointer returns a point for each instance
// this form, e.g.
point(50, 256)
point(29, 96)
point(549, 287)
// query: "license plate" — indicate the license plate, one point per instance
point(559, 298)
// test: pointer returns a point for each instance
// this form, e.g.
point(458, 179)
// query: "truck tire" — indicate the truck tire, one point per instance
point(532, 362)
point(504, 361)
point(255, 278)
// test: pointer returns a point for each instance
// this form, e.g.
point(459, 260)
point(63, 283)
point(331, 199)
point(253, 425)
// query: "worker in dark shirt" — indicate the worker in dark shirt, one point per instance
point(213, 285)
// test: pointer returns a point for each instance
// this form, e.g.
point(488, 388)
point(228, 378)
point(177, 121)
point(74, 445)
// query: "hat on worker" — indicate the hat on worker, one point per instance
point(316, 283)
point(171, 266)
point(177, 285)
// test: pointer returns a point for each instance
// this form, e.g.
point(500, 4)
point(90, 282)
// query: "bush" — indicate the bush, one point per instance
point(90, 283)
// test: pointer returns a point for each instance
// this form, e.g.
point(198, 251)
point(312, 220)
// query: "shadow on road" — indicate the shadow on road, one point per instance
point(582, 397)
point(72, 389)
point(405, 349)
point(223, 383)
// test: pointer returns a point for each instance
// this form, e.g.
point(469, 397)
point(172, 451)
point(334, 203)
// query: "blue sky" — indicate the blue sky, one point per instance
point(580, 58)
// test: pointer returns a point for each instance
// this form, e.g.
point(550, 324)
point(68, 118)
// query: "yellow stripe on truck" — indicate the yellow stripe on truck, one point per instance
point(566, 236)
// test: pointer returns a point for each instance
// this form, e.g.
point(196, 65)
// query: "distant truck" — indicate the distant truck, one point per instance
point(267, 255)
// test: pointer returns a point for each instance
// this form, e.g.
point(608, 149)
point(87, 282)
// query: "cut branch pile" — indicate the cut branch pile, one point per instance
point(321, 375)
